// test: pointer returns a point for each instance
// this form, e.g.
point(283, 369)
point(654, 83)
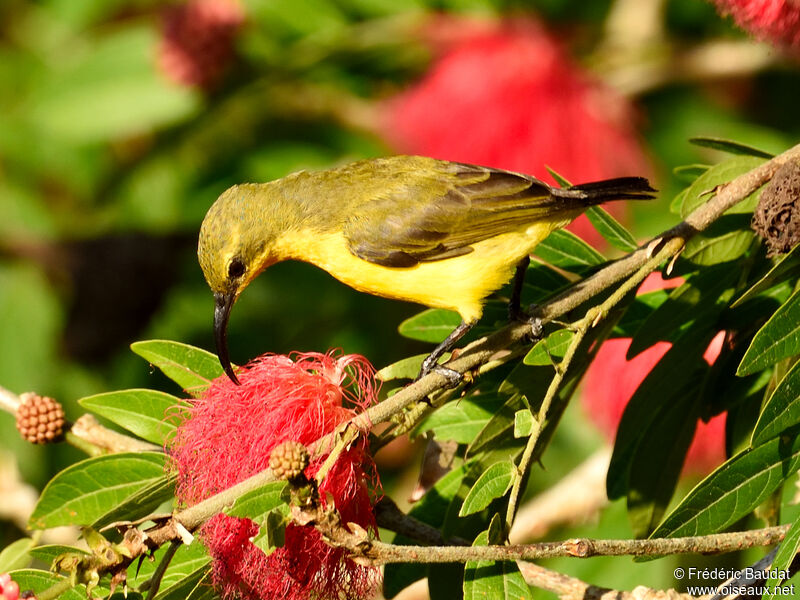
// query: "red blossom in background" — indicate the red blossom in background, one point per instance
point(507, 95)
point(612, 380)
point(777, 21)
point(9, 590)
point(197, 40)
point(229, 435)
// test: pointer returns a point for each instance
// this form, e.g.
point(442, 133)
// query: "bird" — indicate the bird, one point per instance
point(438, 233)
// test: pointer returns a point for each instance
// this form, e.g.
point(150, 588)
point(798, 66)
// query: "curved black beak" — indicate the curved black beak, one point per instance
point(222, 311)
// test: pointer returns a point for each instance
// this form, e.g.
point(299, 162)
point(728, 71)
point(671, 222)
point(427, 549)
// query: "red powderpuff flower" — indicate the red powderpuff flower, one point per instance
point(777, 21)
point(507, 95)
point(612, 380)
point(229, 435)
point(197, 40)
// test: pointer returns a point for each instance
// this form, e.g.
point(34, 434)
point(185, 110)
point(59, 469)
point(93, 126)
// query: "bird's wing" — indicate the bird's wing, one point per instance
point(441, 213)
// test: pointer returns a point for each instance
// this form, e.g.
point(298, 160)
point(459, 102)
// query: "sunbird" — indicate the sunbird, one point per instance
point(443, 234)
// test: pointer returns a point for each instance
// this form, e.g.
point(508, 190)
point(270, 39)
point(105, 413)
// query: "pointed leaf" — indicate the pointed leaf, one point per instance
point(734, 489)
point(85, 491)
point(432, 325)
point(725, 240)
point(497, 580)
point(195, 586)
point(567, 251)
point(39, 581)
point(697, 301)
point(16, 555)
point(185, 561)
point(550, 350)
point(787, 267)
point(782, 409)
point(704, 187)
point(406, 368)
point(779, 338)
point(523, 423)
point(142, 412)
point(493, 483)
point(191, 368)
point(461, 421)
point(612, 230)
point(729, 146)
point(783, 559)
point(689, 173)
point(141, 503)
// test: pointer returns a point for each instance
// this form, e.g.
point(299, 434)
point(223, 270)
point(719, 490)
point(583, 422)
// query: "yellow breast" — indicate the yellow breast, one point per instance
point(460, 284)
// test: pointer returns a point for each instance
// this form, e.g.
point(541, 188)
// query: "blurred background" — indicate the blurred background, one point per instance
point(121, 121)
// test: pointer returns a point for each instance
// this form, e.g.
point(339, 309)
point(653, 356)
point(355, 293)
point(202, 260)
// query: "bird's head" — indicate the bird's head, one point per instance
point(233, 248)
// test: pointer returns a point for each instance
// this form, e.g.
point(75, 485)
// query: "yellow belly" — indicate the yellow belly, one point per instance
point(461, 283)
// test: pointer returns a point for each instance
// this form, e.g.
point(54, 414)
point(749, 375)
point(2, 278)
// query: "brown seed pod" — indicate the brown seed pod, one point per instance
point(40, 419)
point(288, 460)
point(777, 216)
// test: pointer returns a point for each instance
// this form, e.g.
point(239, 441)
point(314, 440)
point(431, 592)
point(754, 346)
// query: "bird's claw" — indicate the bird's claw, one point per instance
point(452, 376)
point(537, 327)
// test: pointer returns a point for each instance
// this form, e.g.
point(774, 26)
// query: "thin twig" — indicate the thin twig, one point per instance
point(719, 543)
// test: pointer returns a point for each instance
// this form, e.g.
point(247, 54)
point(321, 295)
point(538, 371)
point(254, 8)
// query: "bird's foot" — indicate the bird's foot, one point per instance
point(537, 327)
point(452, 376)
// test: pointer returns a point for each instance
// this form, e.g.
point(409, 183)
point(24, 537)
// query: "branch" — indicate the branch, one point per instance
point(380, 553)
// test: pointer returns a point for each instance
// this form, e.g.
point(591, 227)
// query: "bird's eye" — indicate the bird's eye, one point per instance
point(236, 269)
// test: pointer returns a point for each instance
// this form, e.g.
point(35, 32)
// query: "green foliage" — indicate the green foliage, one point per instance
point(97, 143)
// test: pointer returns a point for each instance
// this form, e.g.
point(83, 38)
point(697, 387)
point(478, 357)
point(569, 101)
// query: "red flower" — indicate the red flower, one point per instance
point(197, 40)
point(229, 436)
point(506, 95)
point(777, 21)
point(611, 381)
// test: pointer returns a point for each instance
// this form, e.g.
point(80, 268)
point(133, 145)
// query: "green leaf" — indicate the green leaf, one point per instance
point(782, 409)
point(729, 146)
point(779, 338)
point(406, 368)
point(186, 560)
point(783, 559)
point(461, 421)
point(493, 483)
point(49, 552)
point(787, 267)
point(485, 579)
point(689, 173)
point(523, 423)
point(267, 507)
point(432, 325)
point(141, 503)
point(39, 581)
point(431, 509)
point(705, 186)
point(550, 350)
point(734, 489)
point(85, 491)
point(639, 311)
point(656, 464)
point(673, 378)
point(191, 368)
point(542, 282)
point(567, 251)
point(16, 555)
point(725, 240)
point(142, 412)
point(195, 586)
point(697, 301)
point(612, 230)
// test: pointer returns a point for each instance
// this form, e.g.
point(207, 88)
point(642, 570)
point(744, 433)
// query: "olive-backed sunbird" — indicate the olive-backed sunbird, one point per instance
point(439, 233)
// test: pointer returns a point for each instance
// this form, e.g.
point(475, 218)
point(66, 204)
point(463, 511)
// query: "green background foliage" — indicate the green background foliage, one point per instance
point(107, 168)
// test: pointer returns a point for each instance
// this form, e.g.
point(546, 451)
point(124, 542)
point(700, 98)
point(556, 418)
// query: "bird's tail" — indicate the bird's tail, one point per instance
point(597, 192)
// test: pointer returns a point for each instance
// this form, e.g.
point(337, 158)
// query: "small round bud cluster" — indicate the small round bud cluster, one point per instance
point(777, 216)
point(288, 460)
point(9, 590)
point(40, 419)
